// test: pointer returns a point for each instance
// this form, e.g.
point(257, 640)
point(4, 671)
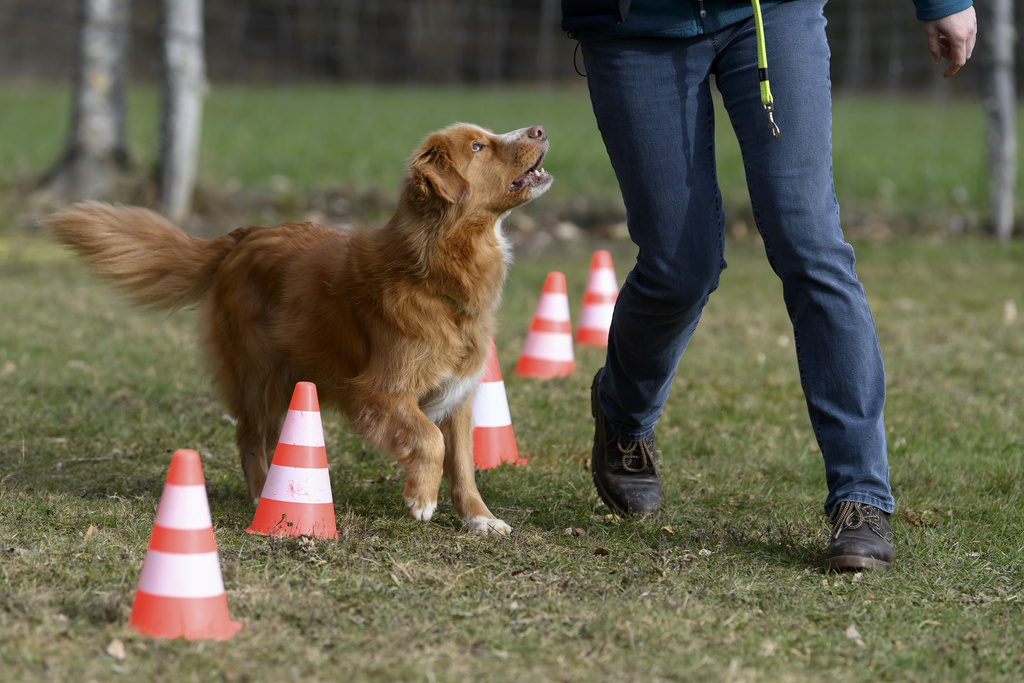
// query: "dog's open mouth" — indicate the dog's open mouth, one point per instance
point(534, 176)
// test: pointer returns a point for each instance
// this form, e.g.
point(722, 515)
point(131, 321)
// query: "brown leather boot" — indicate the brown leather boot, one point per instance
point(625, 472)
point(861, 538)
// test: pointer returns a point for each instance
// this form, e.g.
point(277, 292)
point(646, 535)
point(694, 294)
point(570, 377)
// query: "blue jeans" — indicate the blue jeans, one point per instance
point(652, 100)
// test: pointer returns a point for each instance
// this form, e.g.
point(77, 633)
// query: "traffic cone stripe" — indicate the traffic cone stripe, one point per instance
point(492, 371)
point(181, 540)
point(542, 368)
point(303, 428)
point(304, 398)
point(590, 298)
point(548, 346)
point(553, 326)
point(498, 442)
point(297, 484)
point(310, 457)
point(597, 315)
point(288, 518)
point(181, 575)
point(184, 507)
point(553, 306)
point(490, 407)
point(192, 619)
point(186, 471)
point(601, 283)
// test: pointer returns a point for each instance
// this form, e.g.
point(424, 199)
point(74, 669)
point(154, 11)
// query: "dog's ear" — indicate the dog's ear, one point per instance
point(433, 172)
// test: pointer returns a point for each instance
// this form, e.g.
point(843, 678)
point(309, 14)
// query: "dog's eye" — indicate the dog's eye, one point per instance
point(477, 146)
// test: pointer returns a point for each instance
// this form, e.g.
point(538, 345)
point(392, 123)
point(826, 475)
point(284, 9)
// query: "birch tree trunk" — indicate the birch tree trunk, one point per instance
point(857, 46)
point(1001, 108)
point(549, 13)
point(181, 124)
point(96, 152)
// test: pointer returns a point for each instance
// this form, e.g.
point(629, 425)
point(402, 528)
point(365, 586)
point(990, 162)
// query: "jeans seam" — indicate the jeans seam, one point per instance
point(814, 414)
point(713, 172)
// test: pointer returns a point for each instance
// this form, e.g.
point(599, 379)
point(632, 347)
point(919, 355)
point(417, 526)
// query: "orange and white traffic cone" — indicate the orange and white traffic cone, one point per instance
point(494, 442)
point(296, 498)
point(598, 301)
point(181, 590)
point(547, 351)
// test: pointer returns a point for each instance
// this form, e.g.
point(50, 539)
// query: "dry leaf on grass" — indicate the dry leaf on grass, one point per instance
point(116, 650)
point(853, 634)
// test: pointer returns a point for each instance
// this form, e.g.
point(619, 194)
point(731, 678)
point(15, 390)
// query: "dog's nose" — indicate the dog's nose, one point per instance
point(537, 133)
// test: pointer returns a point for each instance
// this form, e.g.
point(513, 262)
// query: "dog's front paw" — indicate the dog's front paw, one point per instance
point(420, 510)
point(487, 526)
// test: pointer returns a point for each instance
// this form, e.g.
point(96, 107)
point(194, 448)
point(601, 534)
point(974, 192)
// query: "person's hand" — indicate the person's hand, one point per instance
point(952, 38)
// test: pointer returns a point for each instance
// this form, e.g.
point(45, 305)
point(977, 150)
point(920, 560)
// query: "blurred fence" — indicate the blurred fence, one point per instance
point(877, 44)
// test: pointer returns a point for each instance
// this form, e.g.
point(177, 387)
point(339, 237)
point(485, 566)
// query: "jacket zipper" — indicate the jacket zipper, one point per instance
point(703, 13)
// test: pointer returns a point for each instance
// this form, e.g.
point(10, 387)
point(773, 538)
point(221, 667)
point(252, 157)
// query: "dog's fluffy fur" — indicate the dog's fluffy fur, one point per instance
point(391, 324)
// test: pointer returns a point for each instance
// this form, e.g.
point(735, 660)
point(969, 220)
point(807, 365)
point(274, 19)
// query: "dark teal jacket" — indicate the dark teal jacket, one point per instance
point(603, 19)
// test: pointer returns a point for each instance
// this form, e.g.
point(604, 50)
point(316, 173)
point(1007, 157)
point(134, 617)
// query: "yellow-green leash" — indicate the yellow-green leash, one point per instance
point(762, 69)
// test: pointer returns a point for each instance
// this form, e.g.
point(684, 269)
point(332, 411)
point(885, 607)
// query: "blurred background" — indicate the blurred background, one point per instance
point(299, 95)
point(876, 44)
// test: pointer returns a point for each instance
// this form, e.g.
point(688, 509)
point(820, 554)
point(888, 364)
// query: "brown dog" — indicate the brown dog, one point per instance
point(391, 324)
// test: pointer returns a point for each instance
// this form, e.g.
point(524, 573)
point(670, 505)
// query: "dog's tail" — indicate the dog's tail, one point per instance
point(152, 260)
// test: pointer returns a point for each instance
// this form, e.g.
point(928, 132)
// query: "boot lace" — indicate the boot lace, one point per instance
point(643, 453)
point(850, 515)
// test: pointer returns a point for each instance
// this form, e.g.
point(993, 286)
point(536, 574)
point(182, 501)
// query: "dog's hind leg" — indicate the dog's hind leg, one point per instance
point(252, 452)
point(258, 430)
point(461, 473)
point(256, 445)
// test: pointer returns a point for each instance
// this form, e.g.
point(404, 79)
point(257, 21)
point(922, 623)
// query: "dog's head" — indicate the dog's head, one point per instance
point(466, 166)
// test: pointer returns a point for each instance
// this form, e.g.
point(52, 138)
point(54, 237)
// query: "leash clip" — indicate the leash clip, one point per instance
point(769, 109)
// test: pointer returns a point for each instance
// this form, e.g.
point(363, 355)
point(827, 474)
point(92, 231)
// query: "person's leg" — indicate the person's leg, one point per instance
point(793, 197)
point(652, 101)
point(653, 105)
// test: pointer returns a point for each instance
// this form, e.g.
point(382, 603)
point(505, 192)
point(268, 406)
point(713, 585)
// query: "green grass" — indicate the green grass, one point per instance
point(94, 396)
point(895, 160)
point(726, 585)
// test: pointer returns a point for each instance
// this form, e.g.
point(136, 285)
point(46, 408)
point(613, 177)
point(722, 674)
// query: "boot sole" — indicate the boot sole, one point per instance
point(855, 562)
